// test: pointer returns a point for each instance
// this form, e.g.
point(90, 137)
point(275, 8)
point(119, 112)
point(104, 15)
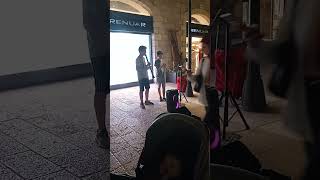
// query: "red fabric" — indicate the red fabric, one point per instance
point(183, 82)
point(237, 71)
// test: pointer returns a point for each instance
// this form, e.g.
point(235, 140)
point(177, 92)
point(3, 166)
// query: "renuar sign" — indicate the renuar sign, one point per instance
point(198, 30)
point(124, 22)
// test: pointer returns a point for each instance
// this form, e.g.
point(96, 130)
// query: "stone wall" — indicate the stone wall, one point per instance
point(171, 15)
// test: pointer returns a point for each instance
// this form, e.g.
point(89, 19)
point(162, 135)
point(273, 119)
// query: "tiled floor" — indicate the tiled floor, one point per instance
point(48, 132)
point(268, 138)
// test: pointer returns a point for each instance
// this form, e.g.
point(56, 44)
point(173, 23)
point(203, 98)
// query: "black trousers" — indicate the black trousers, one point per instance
point(313, 149)
point(212, 110)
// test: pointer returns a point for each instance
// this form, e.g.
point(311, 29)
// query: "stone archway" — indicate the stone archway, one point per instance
point(201, 19)
point(131, 6)
point(201, 15)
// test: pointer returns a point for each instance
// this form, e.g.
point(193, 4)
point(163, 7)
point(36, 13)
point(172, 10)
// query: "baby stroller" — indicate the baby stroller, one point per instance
point(187, 139)
point(179, 135)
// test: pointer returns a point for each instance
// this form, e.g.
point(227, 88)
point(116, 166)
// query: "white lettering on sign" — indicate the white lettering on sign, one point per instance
point(118, 21)
point(199, 31)
point(128, 23)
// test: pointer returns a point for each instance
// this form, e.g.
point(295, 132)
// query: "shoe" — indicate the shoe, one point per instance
point(102, 139)
point(164, 99)
point(149, 103)
point(161, 100)
point(142, 106)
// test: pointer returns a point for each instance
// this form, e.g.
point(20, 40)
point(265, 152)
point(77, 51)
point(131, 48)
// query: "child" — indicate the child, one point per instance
point(143, 78)
point(161, 75)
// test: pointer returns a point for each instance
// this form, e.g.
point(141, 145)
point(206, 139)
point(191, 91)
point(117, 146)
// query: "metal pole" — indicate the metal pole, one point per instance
point(189, 91)
point(226, 80)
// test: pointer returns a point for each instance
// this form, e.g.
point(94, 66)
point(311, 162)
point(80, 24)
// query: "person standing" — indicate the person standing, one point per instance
point(161, 75)
point(142, 70)
point(94, 14)
point(208, 95)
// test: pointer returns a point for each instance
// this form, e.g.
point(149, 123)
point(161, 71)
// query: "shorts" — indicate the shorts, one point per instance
point(101, 74)
point(160, 80)
point(144, 83)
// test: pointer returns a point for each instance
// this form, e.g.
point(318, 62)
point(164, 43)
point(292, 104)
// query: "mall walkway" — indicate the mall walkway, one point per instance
point(48, 132)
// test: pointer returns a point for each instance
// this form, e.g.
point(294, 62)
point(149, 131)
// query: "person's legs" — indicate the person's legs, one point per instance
point(147, 95)
point(164, 90)
point(101, 90)
point(141, 85)
point(159, 91)
point(147, 86)
point(212, 118)
point(100, 109)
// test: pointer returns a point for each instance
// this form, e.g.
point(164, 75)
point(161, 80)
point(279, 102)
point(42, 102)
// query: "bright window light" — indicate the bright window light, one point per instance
point(123, 54)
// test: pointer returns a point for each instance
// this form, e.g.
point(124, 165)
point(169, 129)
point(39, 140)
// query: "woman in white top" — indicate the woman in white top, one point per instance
point(208, 75)
point(208, 93)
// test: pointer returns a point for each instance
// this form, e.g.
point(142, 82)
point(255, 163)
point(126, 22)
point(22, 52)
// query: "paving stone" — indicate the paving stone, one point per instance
point(100, 175)
point(87, 120)
point(36, 139)
point(130, 121)
point(19, 129)
point(127, 155)
point(30, 165)
point(57, 124)
point(113, 133)
point(130, 167)
point(61, 175)
point(122, 129)
point(114, 163)
point(134, 139)
point(115, 121)
point(141, 128)
point(4, 115)
point(117, 112)
point(49, 145)
point(9, 146)
point(117, 144)
point(6, 173)
point(120, 170)
point(86, 141)
point(15, 125)
point(25, 110)
point(81, 163)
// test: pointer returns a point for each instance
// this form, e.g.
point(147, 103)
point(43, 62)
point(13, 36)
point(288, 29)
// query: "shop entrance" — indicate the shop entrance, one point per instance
point(128, 32)
point(198, 31)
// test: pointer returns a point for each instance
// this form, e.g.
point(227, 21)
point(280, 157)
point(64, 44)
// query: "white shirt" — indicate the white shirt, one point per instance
point(203, 69)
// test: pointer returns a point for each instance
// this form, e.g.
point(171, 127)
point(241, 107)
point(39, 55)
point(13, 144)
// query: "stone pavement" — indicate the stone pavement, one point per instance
point(47, 132)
